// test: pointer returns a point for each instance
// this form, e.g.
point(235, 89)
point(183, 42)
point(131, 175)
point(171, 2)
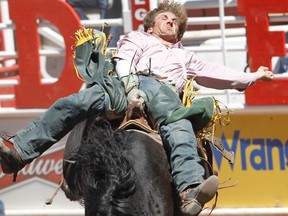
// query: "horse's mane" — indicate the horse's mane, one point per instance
point(101, 182)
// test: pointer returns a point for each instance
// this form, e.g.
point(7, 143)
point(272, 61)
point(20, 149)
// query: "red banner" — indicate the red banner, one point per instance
point(139, 10)
point(31, 93)
point(263, 44)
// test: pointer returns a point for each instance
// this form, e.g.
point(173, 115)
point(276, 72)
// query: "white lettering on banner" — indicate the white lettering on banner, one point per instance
point(140, 2)
point(140, 13)
point(41, 167)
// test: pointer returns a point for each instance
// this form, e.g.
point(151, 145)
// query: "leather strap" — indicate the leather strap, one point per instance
point(220, 146)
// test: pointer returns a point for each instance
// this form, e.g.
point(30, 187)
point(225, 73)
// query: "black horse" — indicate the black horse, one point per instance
point(118, 172)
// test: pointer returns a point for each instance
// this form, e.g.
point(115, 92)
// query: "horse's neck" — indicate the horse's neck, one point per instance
point(155, 136)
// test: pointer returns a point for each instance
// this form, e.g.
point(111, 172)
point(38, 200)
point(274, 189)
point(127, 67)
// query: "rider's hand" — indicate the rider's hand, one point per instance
point(136, 95)
point(265, 74)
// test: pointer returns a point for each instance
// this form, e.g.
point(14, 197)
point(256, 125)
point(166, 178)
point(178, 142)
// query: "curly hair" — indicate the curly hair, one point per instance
point(166, 5)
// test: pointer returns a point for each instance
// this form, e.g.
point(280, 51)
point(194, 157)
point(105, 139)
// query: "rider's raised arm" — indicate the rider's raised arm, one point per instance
point(217, 76)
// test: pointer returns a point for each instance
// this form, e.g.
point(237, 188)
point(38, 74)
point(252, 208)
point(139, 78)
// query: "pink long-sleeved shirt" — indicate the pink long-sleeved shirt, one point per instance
point(178, 64)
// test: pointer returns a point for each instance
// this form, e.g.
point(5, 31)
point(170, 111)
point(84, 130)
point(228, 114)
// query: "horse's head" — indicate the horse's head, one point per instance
point(120, 173)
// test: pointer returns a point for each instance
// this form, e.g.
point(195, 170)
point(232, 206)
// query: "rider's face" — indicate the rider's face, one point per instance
point(166, 26)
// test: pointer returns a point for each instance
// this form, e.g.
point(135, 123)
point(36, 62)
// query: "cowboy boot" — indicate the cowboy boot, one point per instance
point(10, 161)
point(194, 199)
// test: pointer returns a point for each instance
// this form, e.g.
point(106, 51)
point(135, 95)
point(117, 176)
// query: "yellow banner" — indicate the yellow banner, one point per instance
point(260, 144)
